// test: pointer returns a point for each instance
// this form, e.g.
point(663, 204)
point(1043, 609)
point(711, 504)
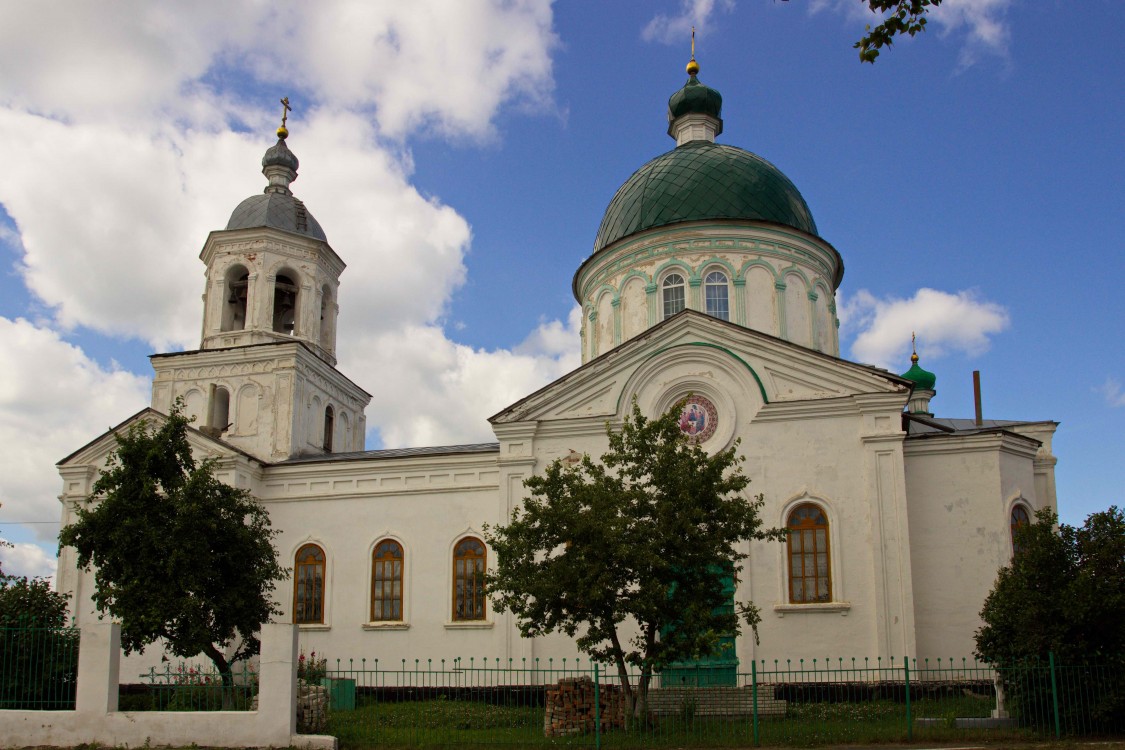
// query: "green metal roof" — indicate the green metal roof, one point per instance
point(694, 97)
point(924, 379)
point(701, 180)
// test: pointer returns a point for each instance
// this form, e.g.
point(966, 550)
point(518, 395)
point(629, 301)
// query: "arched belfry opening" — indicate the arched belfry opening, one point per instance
point(285, 292)
point(236, 291)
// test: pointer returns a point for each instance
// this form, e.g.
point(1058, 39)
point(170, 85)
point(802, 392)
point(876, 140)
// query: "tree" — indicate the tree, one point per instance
point(639, 542)
point(178, 555)
point(38, 652)
point(1063, 595)
point(900, 17)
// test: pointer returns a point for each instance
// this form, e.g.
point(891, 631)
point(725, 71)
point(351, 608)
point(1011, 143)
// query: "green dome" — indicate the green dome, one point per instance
point(698, 181)
point(923, 379)
point(695, 98)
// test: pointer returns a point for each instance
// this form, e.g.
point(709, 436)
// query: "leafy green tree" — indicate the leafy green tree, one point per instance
point(38, 652)
point(178, 555)
point(1063, 595)
point(628, 555)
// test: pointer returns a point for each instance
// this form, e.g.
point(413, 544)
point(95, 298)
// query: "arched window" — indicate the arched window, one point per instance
point(308, 585)
point(234, 306)
point(673, 294)
point(219, 415)
point(1020, 518)
point(386, 581)
point(716, 296)
point(468, 579)
point(284, 305)
point(329, 427)
point(810, 578)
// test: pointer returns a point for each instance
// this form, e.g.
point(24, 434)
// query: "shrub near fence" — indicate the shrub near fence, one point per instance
point(38, 668)
point(800, 702)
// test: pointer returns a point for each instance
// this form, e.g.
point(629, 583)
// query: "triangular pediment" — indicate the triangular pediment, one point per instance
point(773, 369)
point(95, 452)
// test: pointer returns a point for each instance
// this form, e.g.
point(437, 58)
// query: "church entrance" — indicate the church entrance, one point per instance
point(720, 669)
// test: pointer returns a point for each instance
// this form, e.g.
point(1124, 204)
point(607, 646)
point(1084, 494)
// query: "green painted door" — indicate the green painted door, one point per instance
point(718, 669)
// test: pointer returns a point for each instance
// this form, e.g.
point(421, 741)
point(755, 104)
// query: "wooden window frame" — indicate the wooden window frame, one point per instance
point(475, 586)
point(299, 566)
point(378, 576)
point(804, 531)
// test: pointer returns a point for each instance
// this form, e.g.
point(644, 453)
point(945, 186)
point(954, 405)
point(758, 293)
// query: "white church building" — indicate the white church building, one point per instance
point(708, 279)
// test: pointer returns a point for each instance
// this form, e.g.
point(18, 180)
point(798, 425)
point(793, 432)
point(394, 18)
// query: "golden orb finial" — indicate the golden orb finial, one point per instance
point(283, 132)
point(914, 347)
point(692, 66)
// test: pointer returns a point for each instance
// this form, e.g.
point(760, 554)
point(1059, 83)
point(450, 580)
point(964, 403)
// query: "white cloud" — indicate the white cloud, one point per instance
point(125, 142)
point(676, 29)
point(441, 392)
point(1113, 392)
point(53, 400)
point(983, 23)
point(22, 559)
point(944, 322)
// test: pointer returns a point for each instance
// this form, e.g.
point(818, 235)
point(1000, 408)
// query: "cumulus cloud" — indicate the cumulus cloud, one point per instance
point(127, 136)
point(53, 400)
point(441, 392)
point(981, 24)
point(944, 322)
point(1113, 392)
point(22, 559)
point(676, 29)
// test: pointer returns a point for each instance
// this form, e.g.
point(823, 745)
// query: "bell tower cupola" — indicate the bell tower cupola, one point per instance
point(271, 274)
point(264, 378)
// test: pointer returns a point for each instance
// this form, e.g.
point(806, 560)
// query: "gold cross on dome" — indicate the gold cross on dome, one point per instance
point(286, 109)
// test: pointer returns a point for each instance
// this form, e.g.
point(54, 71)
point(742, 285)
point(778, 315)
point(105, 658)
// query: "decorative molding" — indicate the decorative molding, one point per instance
point(841, 608)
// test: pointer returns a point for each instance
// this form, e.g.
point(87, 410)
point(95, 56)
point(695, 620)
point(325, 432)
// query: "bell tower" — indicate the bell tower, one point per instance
point(264, 377)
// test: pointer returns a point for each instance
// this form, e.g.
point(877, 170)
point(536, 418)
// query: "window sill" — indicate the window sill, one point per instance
point(313, 626)
point(386, 626)
point(469, 625)
point(841, 607)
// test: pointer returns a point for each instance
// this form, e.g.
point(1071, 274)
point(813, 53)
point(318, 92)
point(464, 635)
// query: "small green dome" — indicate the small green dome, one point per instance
point(923, 379)
point(698, 181)
point(695, 98)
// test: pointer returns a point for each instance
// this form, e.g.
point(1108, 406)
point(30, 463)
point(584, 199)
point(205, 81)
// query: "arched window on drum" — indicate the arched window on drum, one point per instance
point(716, 295)
point(810, 575)
point(674, 297)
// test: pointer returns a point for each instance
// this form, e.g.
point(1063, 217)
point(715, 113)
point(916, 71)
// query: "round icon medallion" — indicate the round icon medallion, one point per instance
point(698, 418)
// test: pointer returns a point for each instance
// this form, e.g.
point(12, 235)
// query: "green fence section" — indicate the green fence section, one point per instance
point(190, 687)
point(533, 703)
point(38, 668)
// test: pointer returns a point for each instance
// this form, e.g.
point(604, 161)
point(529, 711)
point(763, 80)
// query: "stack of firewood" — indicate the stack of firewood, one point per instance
point(570, 707)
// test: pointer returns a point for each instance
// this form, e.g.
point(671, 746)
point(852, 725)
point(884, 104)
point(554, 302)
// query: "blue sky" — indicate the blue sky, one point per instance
point(460, 156)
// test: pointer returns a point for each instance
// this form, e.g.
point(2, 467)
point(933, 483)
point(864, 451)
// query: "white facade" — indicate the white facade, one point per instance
point(918, 510)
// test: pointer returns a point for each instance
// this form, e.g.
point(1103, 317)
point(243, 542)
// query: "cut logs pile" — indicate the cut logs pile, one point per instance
point(570, 707)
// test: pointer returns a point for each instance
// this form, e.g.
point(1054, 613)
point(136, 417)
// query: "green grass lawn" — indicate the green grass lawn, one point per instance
point(444, 722)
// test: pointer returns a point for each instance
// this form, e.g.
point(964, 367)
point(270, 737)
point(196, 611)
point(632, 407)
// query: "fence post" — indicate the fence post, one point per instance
point(754, 694)
point(909, 718)
point(597, 708)
point(1054, 693)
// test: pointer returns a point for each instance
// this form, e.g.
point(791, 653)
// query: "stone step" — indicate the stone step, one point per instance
point(712, 701)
